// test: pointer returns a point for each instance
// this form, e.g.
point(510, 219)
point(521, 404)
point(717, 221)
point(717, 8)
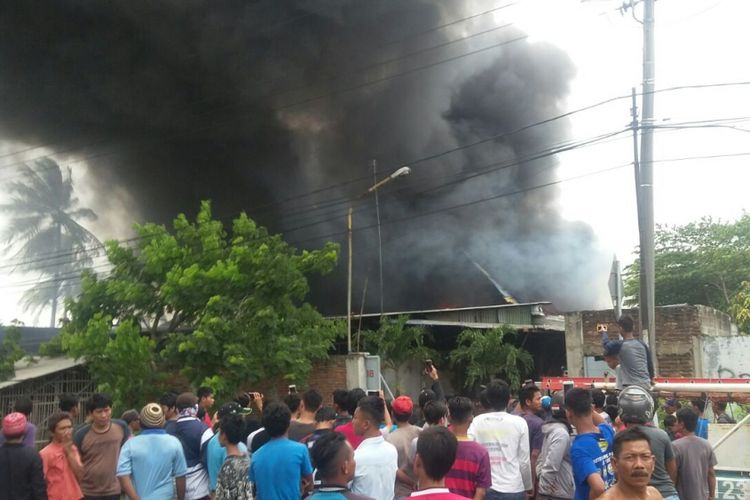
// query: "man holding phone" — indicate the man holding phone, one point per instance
point(434, 393)
point(636, 366)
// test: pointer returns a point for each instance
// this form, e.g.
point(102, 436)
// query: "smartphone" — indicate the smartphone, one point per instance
point(601, 327)
point(292, 389)
point(371, 392)
point(568, 385)
point(427, 365)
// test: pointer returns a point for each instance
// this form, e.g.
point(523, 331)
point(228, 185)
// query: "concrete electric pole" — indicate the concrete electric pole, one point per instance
point(644, 179)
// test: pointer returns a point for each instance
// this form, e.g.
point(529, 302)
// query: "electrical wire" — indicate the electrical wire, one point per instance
point(480, 200)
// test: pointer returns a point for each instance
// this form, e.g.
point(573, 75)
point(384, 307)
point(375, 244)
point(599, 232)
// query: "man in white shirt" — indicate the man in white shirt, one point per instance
point(376, 459)
point(506, 438)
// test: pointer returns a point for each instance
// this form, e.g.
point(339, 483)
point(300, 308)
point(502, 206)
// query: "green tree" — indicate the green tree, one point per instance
point(739, 307)
point(222, 309)
point(10, 350)
point(702, 262)
point(44, 235)
point(398, 343)
point(485, 354)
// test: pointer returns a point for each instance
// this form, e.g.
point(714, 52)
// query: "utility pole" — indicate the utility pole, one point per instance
point(349, 283)
point(646, 183)
point(380, 239)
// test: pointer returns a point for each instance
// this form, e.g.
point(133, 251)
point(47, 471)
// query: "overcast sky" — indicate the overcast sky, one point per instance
point(697, 42)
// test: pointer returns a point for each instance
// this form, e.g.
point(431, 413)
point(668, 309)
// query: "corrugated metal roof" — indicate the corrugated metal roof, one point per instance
point(450, 309)
point(26, 370)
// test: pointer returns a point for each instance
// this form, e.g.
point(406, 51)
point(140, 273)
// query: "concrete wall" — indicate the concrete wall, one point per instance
point(410, 380)
point(726, 357)
point(681, 332)
point(715, 323)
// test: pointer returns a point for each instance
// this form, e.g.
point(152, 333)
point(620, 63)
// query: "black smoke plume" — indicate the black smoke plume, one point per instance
point(253, 103)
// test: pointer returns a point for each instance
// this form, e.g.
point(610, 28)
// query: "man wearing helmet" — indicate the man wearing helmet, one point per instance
point(636, 410)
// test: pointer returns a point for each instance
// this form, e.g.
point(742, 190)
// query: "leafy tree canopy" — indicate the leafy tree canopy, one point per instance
point(486, 354)
point(10, 350)
point(224, 309)
point(702, 262)
point(396, 342)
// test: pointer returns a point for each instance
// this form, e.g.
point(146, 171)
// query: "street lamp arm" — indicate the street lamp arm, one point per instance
point(398, 173)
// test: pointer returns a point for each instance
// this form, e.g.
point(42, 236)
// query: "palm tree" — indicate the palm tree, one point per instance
point(44, 236)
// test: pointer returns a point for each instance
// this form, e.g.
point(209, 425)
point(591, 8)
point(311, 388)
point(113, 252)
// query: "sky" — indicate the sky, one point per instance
point(697, 42)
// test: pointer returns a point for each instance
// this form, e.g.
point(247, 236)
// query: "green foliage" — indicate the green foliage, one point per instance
point(397, 343)
point(223, 309)
point(739, 307)
point(703, 262)
point(485, 354)
point(10, 351)
point(120, 359)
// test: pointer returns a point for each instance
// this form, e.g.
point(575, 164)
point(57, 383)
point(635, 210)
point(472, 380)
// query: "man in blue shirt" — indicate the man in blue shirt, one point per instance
point(280, 467)
point(152, 464)
point(699, 406)
point(215, 452)
point(591, 451)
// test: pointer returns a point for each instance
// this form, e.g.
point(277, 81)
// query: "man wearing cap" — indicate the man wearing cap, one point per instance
point(402, 438)
point(554, 469)
point(194, 435)
point(152, 464)
point(215, 452)
point(21, 473)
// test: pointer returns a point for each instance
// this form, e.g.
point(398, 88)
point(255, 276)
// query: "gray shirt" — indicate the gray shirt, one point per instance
point(553, 468)
point(694, 457)
point(633, 364)
point(661, 447)
point(401, 438)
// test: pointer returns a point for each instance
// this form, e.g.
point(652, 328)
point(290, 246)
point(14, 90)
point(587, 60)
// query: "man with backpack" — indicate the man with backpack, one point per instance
point(194, 435)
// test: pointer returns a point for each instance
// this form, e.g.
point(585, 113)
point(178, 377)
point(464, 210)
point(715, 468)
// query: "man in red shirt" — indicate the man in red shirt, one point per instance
point(436, 452)
point(470, 475)
point(62, 463)
point(352, 399)
point(205, 403)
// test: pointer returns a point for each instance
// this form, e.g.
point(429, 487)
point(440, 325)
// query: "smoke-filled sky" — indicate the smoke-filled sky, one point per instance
point(255, 105)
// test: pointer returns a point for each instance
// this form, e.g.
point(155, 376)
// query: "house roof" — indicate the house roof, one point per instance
point(28, 370)
point(32, 337)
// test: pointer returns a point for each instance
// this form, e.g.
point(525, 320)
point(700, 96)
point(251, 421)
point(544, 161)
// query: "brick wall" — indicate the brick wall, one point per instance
point(325, 376)
point(678, 337)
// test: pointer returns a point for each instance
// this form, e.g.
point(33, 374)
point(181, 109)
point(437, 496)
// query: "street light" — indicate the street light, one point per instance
point(401, 172)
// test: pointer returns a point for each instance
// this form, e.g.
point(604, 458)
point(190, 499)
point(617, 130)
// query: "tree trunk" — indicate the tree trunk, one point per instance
point(56, 279)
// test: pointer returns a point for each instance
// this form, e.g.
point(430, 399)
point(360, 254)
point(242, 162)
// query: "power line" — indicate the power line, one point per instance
point(425, 159)
point(474, 202)
point(346, 200)
point(351, 73)
point(459, 177)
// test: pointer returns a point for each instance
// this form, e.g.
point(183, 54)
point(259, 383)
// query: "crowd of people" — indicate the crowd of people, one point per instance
point(566, 445)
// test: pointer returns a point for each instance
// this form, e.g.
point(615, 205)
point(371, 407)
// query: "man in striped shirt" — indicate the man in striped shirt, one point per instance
point(470, 475)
